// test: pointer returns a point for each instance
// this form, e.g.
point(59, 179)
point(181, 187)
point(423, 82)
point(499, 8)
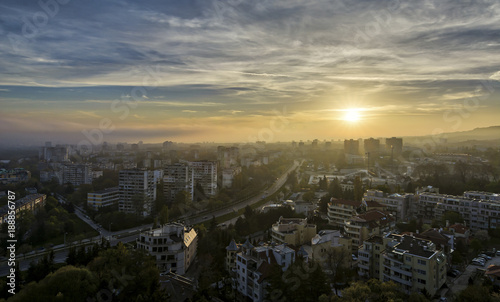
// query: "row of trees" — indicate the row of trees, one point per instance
point(114, 274)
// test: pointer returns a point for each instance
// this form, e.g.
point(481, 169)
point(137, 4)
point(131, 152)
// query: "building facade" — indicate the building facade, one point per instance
point(30, 203)
point(104, 198)
point(413, 264)
point(340, 210)
point(293, 231)
point(396, 204)
point(77, 174)
point(137, 191)
point(173, 245)
point(362, 226)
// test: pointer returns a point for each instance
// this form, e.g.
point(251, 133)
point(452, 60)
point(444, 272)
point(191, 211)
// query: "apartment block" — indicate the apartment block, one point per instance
point(14, 176)
point(293, 231)
point(53, 154)
point(397, 204)
point(185, 176)
point(362, 226)
point(137, 191)
point(77, 174)
point(327, 242)
point(371, 146)
point(30, 203)
point(227, 156)
point(252, 267)
point(351, 147)
point(103, 198)
point(173, 245)
point(340, 210)
point(412, 263)
point(394, 145)
point(479, 214)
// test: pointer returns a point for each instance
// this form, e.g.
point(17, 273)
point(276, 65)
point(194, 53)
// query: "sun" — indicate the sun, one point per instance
point(351, 115)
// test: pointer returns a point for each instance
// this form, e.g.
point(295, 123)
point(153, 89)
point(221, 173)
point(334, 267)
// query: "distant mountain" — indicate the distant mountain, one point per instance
point(475, 136)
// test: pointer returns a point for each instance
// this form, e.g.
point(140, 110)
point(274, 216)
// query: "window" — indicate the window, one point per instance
point(422, 262)
point(421, 281)
point(377, 248)
point(408, 259)
point(422, 272)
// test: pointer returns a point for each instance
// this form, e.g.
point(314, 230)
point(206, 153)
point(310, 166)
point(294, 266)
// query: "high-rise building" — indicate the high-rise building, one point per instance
point(137, 191)
point(227, 157)
point(186, 176)
point(371, 146)
point(53, 154)
point(351, 147)
point(394, 145)
point(77, 174)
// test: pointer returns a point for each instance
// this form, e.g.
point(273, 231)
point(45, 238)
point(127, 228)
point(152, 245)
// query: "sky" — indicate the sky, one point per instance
point(74, 71)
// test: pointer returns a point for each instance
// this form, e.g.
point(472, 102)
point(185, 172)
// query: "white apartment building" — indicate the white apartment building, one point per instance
point(103, 198)
point(396, 204)
point(479, 214)
point(173, 245)
point(185, 177)
point(340, 210)
point(413, 264)
point(137, 191)
point(77, 174)
point(252, 264)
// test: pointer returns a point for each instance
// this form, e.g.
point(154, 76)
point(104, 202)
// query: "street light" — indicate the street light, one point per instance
point(65, 238)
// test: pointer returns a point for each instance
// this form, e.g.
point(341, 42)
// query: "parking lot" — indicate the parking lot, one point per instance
point(461, 282)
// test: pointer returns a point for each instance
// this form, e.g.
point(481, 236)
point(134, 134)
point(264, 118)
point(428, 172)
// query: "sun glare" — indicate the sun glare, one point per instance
point(351, 115)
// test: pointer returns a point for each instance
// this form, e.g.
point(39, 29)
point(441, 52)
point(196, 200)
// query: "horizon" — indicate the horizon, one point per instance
point(231, 72)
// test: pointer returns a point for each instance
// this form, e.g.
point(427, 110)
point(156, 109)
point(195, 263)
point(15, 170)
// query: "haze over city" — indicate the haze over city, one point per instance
point(230, 71)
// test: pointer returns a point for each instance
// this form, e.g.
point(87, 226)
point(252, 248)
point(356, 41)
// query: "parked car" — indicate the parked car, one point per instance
point(478, 261)
point(484, 256)
point(354, 258)
point(498, 253)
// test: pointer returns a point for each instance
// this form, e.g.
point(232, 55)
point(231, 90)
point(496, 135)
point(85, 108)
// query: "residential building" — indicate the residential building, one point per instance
point(413, 264)
point(14, 176)
point(479, 214)
point(362, 226)
point(371, 146)
point(103, 198)
point(293, 231)
point(173, 245)
point(77, 174)
point(460, 231)
point(231, 251)
point(351, 147)
point(187, 175)
point(369, 257)
point(396, 204)
point(53, 154)
point(394, 145)
point(339, 210)
point(252, 267)
point(331, 243)
point(30, 203)
point(227, 156)
point(228, 176)
point(137, 191)
point(204, 174)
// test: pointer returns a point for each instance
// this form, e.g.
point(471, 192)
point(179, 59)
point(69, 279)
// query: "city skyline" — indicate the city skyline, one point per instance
point(231, 71)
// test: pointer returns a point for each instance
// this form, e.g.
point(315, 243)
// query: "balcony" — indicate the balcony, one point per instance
point(363, 266)
point(397, 279)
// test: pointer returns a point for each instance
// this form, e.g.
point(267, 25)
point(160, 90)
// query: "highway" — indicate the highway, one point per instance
point(131, 235)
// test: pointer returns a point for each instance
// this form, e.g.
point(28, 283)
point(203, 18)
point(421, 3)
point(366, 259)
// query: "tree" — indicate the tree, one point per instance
point(358, 189)
point(474, 293)
point(308, 196)
point(452, 217)
point(138, 201)
point(482, 235)
point(249, 212)
point(163, 217)
point(357, 292)
point(66, 284)
point(335, 189)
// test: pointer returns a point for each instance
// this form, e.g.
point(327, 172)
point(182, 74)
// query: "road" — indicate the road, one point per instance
point(131, 235)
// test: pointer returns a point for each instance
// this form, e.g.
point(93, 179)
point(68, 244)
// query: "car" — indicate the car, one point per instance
point(205, 217)
point(484, 256)
point(443, 299)
point(498, 253)
point(354, 258)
